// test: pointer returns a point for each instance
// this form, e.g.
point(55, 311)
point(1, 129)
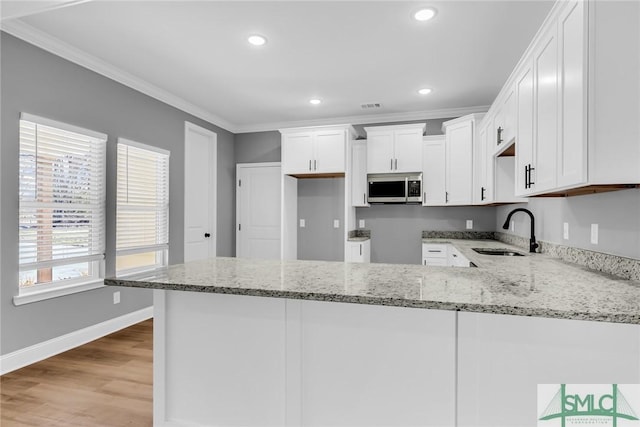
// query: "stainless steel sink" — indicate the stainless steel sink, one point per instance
point(497, 251)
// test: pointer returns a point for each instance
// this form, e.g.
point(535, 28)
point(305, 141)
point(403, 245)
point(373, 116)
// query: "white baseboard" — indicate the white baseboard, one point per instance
point(35, 353)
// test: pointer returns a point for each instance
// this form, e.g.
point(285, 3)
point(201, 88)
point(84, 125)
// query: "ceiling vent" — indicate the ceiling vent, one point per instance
point(370, 105)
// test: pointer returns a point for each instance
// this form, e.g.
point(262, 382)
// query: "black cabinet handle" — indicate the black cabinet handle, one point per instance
point(207, 235)
point(364, 198)
point(526, 176)
point(482, 189)
point(360, 249)
point(309, 164)
point(315, 165)
point(446, 197)
point(391, 165)
point(499, 139)
point(396, 164)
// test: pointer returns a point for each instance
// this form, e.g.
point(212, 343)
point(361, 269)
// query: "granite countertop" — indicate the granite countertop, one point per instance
point(358, 239)
point(531, 285)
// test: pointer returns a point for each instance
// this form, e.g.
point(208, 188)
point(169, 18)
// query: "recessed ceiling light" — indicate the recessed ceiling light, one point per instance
point(424, 91)
point(424, 14)
point(315, 101)
point(257, 40)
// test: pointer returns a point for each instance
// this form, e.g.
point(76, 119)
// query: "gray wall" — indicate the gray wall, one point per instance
point(257, 147)
point(617, 214)
point(40, 83)
point(396, 230)
point(320, 201)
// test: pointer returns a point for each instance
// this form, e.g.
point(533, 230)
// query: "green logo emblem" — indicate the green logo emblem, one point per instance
point(588, 406)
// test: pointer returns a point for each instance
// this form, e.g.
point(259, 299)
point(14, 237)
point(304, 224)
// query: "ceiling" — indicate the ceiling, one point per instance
point(194, 54)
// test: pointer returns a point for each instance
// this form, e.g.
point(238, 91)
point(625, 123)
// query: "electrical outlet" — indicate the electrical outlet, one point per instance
point(594, 234)
point(336, 223)
point(361, 223)
point(302, 223)
point(116, 297)
point(565, 231)
point(513, 225)
point(469, 224)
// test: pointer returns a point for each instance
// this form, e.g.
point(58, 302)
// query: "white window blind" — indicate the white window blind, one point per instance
point(142, 229)
point(61, 204)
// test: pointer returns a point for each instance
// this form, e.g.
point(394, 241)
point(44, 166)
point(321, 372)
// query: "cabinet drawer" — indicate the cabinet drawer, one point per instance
point(434, 251)
point(435, 262)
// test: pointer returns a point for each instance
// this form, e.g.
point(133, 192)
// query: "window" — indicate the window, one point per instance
point(61, 205)
point(142, 229)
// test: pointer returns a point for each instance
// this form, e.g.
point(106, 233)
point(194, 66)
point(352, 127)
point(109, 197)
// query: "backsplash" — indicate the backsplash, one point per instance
point(617, 214)
point(624, 267)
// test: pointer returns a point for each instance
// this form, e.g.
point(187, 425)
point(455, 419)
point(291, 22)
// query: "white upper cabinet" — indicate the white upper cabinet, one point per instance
point(394, 148)
point(359, 173)
point(483, 164)
point(460, 140)
point(576, 101)
point(434, 171)
point(310, 151)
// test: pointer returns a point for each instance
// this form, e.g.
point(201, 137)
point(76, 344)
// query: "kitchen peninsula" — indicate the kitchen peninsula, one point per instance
point(255, 343)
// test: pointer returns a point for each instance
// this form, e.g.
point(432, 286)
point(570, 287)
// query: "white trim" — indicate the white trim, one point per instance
point(64, 50)
point(63, 126)
point(62, 261)
point(37, 10)
point(396, 127)
point(55, 292)
point(37, 352)
point(366, 119)
point(143, 146)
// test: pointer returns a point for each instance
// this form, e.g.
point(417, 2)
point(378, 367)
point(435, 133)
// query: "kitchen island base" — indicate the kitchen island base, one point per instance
point(237, 360)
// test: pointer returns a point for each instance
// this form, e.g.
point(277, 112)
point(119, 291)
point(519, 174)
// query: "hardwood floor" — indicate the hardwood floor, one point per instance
point(107, 382)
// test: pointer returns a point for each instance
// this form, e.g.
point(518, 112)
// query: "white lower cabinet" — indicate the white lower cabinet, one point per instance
point(443, 255)
point(502, 359)
point(359, 251)
point(364, 365)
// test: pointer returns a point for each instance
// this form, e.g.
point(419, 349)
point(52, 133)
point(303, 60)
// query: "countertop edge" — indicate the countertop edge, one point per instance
point(391, 302)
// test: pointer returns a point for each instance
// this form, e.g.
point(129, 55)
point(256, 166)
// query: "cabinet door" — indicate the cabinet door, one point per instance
point(359, 174)
point(509, 116)
point(481, 188)
point(297, 153)
point(408, 150)
point(545, 59)
point(329, 151)
point(459, 147)
point(433, 172)
point(524, 129)
point(380, 152)
point(502, 359)
point(572, 147)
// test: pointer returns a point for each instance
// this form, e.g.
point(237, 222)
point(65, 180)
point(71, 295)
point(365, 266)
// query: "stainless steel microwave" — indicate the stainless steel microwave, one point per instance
point(395, 188)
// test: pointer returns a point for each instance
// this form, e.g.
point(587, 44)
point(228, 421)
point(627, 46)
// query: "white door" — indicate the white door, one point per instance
point(380, 152)
point(258, 210)
point(297, 153)
point(434, 173)
point(329, 151)
point(408, 150)
point(200, 156)
point(459, 141)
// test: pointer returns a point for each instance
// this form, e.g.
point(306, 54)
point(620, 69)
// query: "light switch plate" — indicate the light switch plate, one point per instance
point(302, 223)
point(116, 297)
point(594, 234)
point(469, 224)
point(565, 231)
point(361, 223)
point(336, 223)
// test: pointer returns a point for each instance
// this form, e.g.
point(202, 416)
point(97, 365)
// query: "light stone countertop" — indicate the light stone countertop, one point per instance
point(358, 239)
point(531, 285)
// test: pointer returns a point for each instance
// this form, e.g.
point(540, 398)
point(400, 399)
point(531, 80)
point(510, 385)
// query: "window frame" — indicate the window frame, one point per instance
point(96, 261)
point(161, 250)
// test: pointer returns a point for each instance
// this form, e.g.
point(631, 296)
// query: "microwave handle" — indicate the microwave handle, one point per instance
point(406, 189)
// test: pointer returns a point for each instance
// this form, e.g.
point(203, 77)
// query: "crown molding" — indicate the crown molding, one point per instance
point(366, 119)
point(35, 8)
point(56, 46)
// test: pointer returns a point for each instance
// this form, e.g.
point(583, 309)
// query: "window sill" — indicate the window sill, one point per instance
point(45, 294)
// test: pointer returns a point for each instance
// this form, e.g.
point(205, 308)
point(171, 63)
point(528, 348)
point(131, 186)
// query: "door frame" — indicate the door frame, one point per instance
point(212, 185)
point(240, 166)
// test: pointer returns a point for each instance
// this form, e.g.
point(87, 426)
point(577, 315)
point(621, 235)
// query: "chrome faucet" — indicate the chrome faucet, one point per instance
point(532, 241)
